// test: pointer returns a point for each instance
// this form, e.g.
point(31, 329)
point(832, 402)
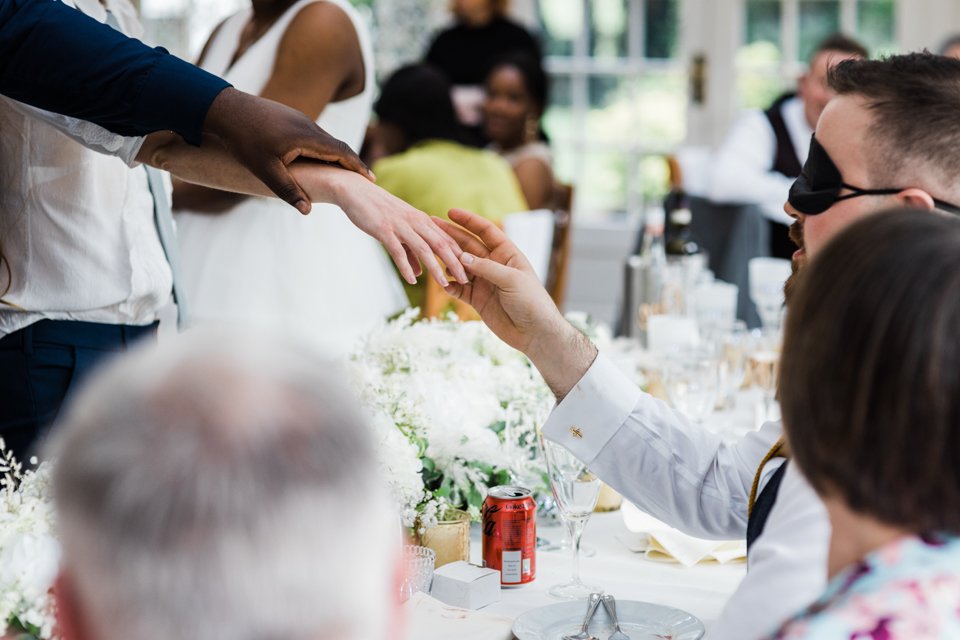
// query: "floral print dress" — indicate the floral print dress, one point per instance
point(906, 590)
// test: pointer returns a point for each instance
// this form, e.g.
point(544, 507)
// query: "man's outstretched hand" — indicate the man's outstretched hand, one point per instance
point(507, 294)
point(266, 136)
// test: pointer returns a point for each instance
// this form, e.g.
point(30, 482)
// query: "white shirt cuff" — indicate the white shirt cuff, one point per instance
point(593, 411)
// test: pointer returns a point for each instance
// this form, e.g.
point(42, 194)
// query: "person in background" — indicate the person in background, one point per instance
point(871, 409)
point(244, 260)
point(889, 138)
point(764, 151)
point(466, 51)
point(223, 486)
point(84, 271)
point(951, 47)
point(516, 95)
point(428, 163)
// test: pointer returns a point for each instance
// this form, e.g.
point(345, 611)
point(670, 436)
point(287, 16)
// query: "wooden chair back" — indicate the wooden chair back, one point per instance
point(558, 274)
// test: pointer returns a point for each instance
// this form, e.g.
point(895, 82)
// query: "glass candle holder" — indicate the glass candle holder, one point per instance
point(418, 570)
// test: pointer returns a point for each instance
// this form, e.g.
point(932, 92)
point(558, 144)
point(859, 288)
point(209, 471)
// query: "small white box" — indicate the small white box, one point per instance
point(465, 585)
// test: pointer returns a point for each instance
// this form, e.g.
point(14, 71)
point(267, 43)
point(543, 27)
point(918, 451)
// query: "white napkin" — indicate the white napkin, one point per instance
point(658, 541)
point(430, 619)
point(532, 232)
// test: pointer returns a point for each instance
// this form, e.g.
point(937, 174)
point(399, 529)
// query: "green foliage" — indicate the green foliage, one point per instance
point(21, 631)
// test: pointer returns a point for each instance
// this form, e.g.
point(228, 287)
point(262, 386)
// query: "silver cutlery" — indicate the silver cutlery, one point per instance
point(610, 604)
point(592, 603)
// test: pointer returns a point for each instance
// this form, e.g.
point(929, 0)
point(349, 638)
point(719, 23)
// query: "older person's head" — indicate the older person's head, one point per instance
point(889, 138)
point(812, 87)
point(221, 487)
point(869, 375)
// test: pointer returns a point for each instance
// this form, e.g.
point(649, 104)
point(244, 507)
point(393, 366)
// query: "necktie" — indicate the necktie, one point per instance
point(163, 218)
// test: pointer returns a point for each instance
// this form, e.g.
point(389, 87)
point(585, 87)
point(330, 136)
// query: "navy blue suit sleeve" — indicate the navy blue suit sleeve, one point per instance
point(56, 58)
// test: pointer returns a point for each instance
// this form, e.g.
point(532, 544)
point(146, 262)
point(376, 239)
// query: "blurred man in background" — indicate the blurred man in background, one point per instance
point(764, 151)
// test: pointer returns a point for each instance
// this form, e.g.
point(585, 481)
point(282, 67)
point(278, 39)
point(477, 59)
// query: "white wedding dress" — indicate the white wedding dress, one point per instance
point(261, 263)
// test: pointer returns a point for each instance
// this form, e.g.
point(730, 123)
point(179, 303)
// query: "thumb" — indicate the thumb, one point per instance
point(277, 177)
point(497, 274)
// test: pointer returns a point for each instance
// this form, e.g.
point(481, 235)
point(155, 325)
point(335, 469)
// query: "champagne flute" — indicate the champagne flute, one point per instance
point(763, 365)
point(767, 276)
point(527, 469)
point(575, 490)
point(692, 381)
point(732, 346)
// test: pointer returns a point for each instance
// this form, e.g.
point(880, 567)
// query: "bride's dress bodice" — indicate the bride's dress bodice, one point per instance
point(262, 263)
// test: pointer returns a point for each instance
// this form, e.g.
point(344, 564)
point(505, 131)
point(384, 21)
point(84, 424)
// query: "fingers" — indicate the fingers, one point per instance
point(331, 149)
point(446, 249)
point(429, 261)
point(414, 262)
point(460, 291)
point(467, 241)
point(277, 177)
point(493, 272)
point(351, 161)
point(487, 231)
point(400, 256)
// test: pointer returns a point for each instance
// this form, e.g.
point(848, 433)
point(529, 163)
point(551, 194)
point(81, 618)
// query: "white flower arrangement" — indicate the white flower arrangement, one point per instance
point(29, 551)
point(451, 405)
point(453, 409)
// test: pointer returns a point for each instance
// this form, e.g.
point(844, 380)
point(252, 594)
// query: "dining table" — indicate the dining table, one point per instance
point(701, 590)
point(606, 560)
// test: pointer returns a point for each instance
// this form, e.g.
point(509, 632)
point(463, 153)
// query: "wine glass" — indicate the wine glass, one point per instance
point(575, 490)
point(731, 347)
point(767, 276)
point(526, 465)
point(763, 364)
point(692, 381)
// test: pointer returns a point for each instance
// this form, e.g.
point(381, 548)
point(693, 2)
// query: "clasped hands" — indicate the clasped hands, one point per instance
point(507, 294)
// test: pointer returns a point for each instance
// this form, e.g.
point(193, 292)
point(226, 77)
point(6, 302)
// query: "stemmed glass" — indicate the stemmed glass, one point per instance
point(767, 276)
point(575, 490)
point(763, 364)
point(692, 382)
point(526, 465)
point(731, 346)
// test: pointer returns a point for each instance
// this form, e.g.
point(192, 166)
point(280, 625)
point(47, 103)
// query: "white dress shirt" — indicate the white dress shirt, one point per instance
point(698, 483)
point(741, 171)
point(76, 226)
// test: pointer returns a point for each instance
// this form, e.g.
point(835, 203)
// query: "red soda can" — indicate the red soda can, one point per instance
point(510, 534)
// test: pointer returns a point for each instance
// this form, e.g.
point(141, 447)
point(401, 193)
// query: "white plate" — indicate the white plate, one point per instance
point(639, 620)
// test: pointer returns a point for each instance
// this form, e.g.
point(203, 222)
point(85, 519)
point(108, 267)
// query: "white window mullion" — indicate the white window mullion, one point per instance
point(637, 47)
point(580, 98)
point(636, 30)
point(848, 16)
point(790, 34)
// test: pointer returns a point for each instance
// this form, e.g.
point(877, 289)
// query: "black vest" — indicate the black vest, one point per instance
point(757, 519)
point(786, 162)
point(785, 159)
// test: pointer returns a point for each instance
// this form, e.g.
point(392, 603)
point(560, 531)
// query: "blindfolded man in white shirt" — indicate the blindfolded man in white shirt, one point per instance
point(889, 138)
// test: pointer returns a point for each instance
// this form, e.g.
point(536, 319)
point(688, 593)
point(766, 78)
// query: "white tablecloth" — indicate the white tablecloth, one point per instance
point(701, 590)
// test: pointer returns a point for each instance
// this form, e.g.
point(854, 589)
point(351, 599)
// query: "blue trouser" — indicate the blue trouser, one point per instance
point(42, 363)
